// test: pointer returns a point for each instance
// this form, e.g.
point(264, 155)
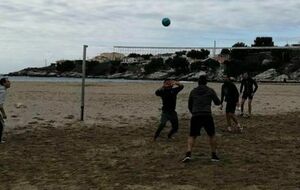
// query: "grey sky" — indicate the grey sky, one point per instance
point(35, 30)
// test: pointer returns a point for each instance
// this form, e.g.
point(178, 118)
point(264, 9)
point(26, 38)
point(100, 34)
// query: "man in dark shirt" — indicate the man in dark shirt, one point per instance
point(168, 93)
point(231, 94)
point(199, 104)
point(248, 93)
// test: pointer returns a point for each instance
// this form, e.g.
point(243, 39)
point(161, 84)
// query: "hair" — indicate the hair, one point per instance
point(202, 80)
point(2, 81)
point(166, 80)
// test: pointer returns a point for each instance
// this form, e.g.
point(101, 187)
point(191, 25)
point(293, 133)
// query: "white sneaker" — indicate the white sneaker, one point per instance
point(240, 128)
point(187, 159)
point(2, 142)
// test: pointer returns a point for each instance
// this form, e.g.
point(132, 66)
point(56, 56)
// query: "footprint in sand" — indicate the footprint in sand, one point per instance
point(32, 122)
point(51, 121)
point(38, 118)
point(69, 117)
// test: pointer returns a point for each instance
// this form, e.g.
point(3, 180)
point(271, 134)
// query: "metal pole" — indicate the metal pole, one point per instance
point(214, 50)
point(83, 82)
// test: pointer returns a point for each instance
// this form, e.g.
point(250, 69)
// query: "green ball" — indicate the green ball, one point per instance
point(166, 22)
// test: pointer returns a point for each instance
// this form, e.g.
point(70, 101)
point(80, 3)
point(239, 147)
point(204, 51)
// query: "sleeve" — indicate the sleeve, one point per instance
point(190, 102)
point(255, 86)
point(237, 94)
point(242, 85)
point(159, 92)
point(215, 98)
point(179, 88)
point(222, 93)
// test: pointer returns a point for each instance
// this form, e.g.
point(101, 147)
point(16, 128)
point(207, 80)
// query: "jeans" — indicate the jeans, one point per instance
point(165, 117)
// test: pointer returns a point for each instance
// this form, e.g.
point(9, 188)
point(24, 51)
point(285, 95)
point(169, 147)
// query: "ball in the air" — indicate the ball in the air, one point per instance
point(166, 22)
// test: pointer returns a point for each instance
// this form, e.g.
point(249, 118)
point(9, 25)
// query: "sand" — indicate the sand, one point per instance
point(49, 148)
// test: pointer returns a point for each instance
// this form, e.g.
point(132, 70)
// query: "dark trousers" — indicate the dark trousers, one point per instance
point(165, 117)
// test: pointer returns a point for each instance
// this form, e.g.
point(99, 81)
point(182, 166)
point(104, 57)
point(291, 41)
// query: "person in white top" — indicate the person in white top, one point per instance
point(4, 85)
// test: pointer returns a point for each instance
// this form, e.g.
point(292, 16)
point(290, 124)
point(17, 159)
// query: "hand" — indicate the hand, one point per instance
point(221, 107)
point(252, 94)
point(174, 82)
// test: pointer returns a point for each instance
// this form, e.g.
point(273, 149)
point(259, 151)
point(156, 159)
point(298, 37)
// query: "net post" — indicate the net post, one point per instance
point(83, 82)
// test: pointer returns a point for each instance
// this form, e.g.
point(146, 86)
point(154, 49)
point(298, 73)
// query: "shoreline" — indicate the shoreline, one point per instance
point(100, 79)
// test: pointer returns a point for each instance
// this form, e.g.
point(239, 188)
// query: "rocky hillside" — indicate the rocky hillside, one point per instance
point(263, 66)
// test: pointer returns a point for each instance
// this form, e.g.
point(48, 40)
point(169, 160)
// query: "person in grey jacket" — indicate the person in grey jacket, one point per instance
point(199, 105)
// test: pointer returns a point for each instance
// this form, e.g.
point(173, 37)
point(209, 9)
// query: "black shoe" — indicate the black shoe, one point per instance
point(187, 159)
point(215, 158)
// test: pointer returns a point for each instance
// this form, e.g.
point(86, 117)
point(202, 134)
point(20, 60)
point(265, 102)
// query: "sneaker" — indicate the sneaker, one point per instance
point(214, 158)
point(187, 159)
point(2, 142)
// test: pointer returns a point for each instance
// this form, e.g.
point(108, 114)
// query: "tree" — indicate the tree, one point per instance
point(65, 66)
point(202, 54)
point(239, 53)
point(180, 53)
point(134, 55)
point(263, 42)
point(225, 52)
point(180, 64)
point(146, 56)
point(196, 66)
point(154, 65)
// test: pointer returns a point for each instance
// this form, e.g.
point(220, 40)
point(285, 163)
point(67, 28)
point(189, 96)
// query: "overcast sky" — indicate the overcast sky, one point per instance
point(37, 32)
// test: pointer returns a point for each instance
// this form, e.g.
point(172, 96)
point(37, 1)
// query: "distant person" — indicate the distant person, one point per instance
point(4, 85)
point(199, 105)
point(168, 93)
point(230, 94)
point(247, 92)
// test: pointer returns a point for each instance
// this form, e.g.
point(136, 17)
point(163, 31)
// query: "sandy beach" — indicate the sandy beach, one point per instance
point(49, 148)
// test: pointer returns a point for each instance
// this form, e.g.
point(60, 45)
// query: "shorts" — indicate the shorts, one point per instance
point(199, 121)
point(247, 96)
point(230, 107)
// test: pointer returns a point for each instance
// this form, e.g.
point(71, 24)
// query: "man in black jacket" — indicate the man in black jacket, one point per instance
point(248, 93)
point(200, 106)
point(231, 94)
point(168, 94)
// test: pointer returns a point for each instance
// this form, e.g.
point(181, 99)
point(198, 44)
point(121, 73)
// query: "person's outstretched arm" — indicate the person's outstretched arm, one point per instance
point(190, 102)
point(179, 86)
point(215, 98)
point(241, 87)
point(255, 86)
point(3, 112)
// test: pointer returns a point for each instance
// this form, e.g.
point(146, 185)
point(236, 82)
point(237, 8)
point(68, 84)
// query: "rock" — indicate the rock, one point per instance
point(295, 75)
point(52, 74)
point(196, 76)
point(158, 75)
point(216, 76)
point(267, 75)
point(281, 78)
point(36, 73)
point(108, 57)
point(115, 76)
point(185, 77)
point(266, 62)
